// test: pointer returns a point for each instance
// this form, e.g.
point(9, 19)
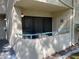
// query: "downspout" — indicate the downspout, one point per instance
point(73, 4)
point(71, 21)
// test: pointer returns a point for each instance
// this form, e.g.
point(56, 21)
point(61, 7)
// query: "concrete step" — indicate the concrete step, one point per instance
point(3, 43)
point(6, 51)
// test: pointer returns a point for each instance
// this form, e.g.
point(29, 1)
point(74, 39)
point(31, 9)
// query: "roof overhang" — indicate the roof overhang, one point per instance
point(37, 5)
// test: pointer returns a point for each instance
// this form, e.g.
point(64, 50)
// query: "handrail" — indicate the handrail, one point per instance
point(54, 33)
point(66, 4)
point(38, 34)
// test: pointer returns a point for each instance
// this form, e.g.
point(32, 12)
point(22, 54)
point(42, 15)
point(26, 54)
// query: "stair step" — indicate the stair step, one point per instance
point(3, 43)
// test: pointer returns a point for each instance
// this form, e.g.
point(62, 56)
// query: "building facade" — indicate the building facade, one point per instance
point(39, 28)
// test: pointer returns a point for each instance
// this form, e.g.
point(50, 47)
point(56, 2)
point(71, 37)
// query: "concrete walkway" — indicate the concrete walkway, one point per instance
point(69, 53)
point(65, 53)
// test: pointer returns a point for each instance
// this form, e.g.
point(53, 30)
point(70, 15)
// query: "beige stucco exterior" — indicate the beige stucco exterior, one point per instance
point(41, 47)
point(2, 7)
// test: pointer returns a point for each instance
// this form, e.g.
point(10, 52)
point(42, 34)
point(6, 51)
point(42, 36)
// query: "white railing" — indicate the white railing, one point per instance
point(39, 35)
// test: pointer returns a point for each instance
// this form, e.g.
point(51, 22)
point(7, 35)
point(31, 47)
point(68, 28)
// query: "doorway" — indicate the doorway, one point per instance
point(36, 25)
point(2, 27)
point(33, 25)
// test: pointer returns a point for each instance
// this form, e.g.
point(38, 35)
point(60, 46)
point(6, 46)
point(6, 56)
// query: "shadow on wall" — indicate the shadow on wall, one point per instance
point(40, 48)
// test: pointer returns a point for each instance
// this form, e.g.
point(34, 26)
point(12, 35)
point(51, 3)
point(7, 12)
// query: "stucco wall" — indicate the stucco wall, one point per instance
point(42, 47)
point(16, 24)
point(29, 12)
point(2, 7)
point(76, 20)
point(66, 16)
point(2, 11)
point(11, 19)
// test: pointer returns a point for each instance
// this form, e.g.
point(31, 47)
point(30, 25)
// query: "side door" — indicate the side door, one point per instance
point(2, 28)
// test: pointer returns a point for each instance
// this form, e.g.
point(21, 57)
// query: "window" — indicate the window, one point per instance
point(34, 25)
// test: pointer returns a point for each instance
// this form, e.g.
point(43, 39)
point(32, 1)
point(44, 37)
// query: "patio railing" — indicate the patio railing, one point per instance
point(45, 34)
point(38, 35)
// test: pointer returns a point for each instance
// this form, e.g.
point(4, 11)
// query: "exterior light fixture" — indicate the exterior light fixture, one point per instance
point(61, 20)
point(22, 15)
point(5, 19)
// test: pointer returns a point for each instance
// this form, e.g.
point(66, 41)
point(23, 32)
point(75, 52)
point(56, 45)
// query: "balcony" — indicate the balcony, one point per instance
point(57, 2)
point(44, 5)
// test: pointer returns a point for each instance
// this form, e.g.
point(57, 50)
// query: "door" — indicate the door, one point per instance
point(27, 25)
point(38, 24)
point(2, 30)
point(33, 25)
point(47, 24)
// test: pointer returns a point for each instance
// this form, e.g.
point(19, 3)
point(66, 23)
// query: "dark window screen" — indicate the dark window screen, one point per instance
point(32, 25)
